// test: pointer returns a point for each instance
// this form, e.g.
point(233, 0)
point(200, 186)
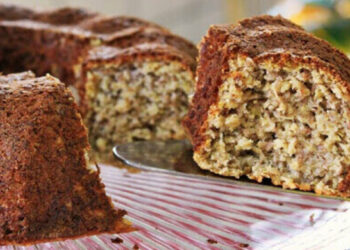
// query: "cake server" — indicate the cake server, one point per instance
point(175, 157)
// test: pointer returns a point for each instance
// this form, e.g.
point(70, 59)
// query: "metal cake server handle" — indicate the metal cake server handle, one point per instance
point(175, 157)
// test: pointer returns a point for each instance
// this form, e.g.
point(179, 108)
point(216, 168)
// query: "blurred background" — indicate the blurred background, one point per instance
point(329, 19)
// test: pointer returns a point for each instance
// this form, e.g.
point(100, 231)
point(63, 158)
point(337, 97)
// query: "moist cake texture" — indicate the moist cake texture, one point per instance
point(62, 41)
point(47, 191)
point(272, 101)
point(132, 95)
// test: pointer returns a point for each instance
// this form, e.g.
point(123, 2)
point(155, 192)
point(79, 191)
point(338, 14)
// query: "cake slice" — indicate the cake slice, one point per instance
point(272, 101)
point(136, 93)
point(47, 191)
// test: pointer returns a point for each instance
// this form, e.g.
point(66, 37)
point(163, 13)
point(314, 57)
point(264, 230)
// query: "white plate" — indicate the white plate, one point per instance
point(175, 212)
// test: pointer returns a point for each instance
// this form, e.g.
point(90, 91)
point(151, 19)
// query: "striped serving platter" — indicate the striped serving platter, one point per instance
point(179, 212)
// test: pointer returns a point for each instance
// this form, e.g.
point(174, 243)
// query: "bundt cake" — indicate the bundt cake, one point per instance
point(272, 101)
point(131, 78)
point(47, 191)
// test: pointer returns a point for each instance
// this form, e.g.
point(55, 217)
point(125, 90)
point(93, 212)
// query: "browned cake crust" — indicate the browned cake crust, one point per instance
point(47, 191)
point(136, 53)
point(258, 38)
point(57, 41)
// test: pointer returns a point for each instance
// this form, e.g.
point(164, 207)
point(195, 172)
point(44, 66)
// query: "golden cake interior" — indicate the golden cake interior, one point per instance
point(287, 122)
point(140, 100)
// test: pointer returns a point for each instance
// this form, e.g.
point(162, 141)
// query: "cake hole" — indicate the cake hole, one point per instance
point(137, 139)
point(308, 85)
point(324, 137)
point(323, 105)
point(282, 73)
point(247, 153)
point(232, 111)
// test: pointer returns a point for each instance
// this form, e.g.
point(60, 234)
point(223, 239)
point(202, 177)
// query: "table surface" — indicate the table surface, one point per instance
point(174, 212)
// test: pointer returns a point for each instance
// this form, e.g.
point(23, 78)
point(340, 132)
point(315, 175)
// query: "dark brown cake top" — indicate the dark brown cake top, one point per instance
point(262, 35)
point(64, 16)
point(258, 37)
point(149, 50)
point(109, 25)
point(13, 12)
point(121, 31)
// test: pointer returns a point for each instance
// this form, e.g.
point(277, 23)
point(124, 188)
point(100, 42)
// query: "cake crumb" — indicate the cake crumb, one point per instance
point(117, 240)
point(312, 219)
point(244, 245)
point(211, 241)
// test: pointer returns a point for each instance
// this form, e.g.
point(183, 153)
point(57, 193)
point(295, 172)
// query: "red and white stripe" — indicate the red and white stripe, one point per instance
point(175, 212)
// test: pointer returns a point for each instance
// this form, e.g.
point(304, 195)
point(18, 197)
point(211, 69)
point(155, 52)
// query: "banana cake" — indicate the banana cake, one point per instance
point(272, 101)
point(139, 93)
point(47, 190)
